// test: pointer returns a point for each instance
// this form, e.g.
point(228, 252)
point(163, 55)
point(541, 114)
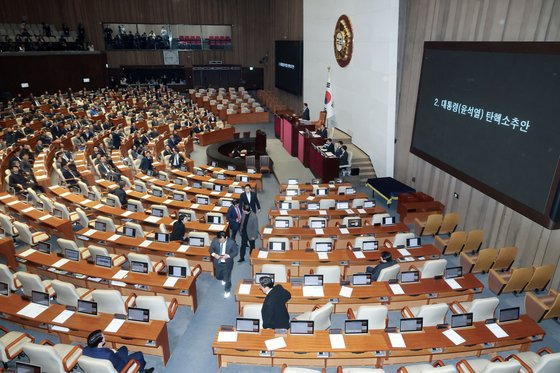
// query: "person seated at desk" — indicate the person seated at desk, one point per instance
point(305, 113)
point(95, 349)
point(146, 165)
point(70, 177)
point(174, 139)
point(386, 262)
point(20, 183)
point(338, 148)
point(329, 146)
point(198, 128)
point(178, 231)
point(108, 171)
point(176, 159)
point(322, 131)
point(120, 193)
point(274, 311)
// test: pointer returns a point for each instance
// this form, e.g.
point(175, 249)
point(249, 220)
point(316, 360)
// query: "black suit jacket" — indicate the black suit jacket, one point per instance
point(305, 114)
point(330, 148)
point(254, 204)
point(231, 250)
point(377, 269)
point(121, 195)
point(274, 312)
point(343, 159)
point(178, 231)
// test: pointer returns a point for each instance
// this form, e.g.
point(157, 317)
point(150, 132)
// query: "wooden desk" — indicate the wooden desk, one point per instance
point(212, 137)
point(248, 118)
point(307, 188)
point(257, 177)
point(323, 167)
point(224, 183)
point(334, 217)
point(411, 210)
point(8, 251)
point(140, 283)
point(131, 334)
point(305, 198)
point(374, 348)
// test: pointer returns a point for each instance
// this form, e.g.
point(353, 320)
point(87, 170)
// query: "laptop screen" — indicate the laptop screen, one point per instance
point(238, 190)
point(39, 206)
point(200, 172)
point(92, 196)
point(388, 220)
point(244, 179)
point(369, 245)
point(369, 204)
point(72, 254)
point(410, 276)
point(179, 181)
point(132, 208)
point(361, 279)
point(292, 181)
point(453, 272)
point(461, 320)
point(323, 247)
point(231, 168)
point(321, 191)
point(4, 288)
point(413, 242)
point(40, 298)
point(196, 241)
point(139, 188)
point(509, 314)
point(313, 206)
point(302, 327)
point(57, 213)
point(258, 276)
point(138, 314)
point(355, 326)
point(354, 222)
point(317, 224)
point(129, 232)
point(202, 200)
point(281, 223)
point(342, 205)
point(178, 197)
point(100, 226)
point(87, 307)
point(103, 261)
point(138, 267)
point(157, 192)
point(247, 325)
point(162, 177)
point(285, 206)
point(350, 191)
point(291, 192)
point(157, 212)
point(162, 237)
point(411, 325)
point(276, 246)
point(44, 247)
point(177, 271)
point(313, 280)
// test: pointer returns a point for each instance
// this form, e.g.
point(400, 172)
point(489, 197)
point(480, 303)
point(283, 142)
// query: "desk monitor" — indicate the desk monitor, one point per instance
point(354, 222)
point(454, 272)
point(410, 276)
point(226, 202)
point(411, 325)
point(178, 197)
point(212, 219)
point(369, 204)
point(231, 167)
point(138, 314)
point(285, 205)
point(131, 207)
point(413, 242)
point(129, 232)
point(302, 327)
point(27, 368)
point(111, 202)
point(202, 200)
point(92, 196)
point(87, 307)
point(39, 206)
point(243, 325)
point(57, 213)
point(390, 220)
point(461, 320)
point(44, 247)
point(361, 279)
point(138, 267)
point(258, 276)
point(237, 190)
point(509, 314)
point(355, 327)
point(221, 176)
point(179, 181)
point(293, 181)
point(342, 205)
point(72, 254)
point(103, 261)
point(313, 206)
point(313, 280)
point(177, 271)
point(139, 188)
point(196, 241)
point(100, 226)
point(40, 298)
point(157, 212)
point(276, 246)
point(197, 184)
point(323, 247)
point(162, 177)
point(217, 188)
point(244, 179)
point(317, 224)
point(370, 245)
point(162, 237)
point(157, 192)
point(281, 223)
point(321, 191)
point(350, 191)
point(4, 289)
point(291, 192)
point(315, 181)
point(199, 172)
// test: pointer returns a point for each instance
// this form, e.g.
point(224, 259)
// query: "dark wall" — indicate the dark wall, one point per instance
point(52, 72)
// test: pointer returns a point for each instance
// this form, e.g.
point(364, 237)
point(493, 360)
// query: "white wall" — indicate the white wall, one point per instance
point(364, 92)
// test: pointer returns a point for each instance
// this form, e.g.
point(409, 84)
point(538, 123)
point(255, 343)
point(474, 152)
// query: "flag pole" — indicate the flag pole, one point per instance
point(326, 116)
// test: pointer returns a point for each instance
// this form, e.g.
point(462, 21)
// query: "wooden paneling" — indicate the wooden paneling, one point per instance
point(471, 20)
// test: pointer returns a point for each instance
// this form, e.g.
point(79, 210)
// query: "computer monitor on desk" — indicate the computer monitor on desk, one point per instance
point(293, 181)
point(177, 271)
point(303, 327)
point(129, 232)
point(413, 242)
point(370, 245)
point(87, 307)
point(390, 220)
point(323, 247)
point(100, 226)
point(313, 205)
point(258, 276)
point(244, 325)
point(138, 267)
point(355, 327)
point(292, 192)
point(411, 325)
point(509, 314)
point(178, 197)
point(285, 205)
point(44, 247)
point(40, 297)
point(321, 191)
point(4, 290)
point(161, 237)
point(196, 241)
point(157, 212)
point(410, 276)
point(157, 192)
point(276, 246)
point(131, 207)
point(361, 279)
point(202, 200)
point(454, 272)
point(313, 280)
point(317, 224)
point(369, 204)
point(72, 254)
point(342, 205)
point(138, 314)
point(103, 261)
point(281, 223)
point(461, 320)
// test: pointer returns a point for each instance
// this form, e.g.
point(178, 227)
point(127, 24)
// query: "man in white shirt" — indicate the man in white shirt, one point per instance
point(223, 250)
point(250, 198)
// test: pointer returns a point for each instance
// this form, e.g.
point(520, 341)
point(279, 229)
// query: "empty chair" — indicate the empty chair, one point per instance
point(29, 238)
point(143, 258)
point(481, 308)
point(252, 311)
point(281, 274)
point(7, 277)
point(327, 203)
point(449, 223)
point(375, 315)
point(474, 241)
point(214, 218)
point(400, 238)
point(92, 365)
point(432, 268)
point(537, 362)
point(138, 206)
point(11, 344)
point(377, 219)
point(509, 282)
point(346, 220)
point(505, 258)
point(137, 229)
point(320, 315)
point(389, 273)
point(429, 227)
point(207, 185)
point(317, 222)
point(321, 240)
point(359, 241)
point(162, 211)
point(159, 308)
point(480, 262)
point(287, 369)
point(112, 302)
point(179, 262)
point(31, 282)
point(67, 215)
point(83, 188)
point(7, 226)
point(543, 308)
point(95, 250)
point(83, 218)
point(53, 358)
point(48, 204)
point(436, 367)
point(358, 203)
point(331, 274)
point(113, 200)
point(488, 366)
point(203, 235)
point(264, 163)
point(284, 240)
point(107, 222)
point(71, 245)
point(541, 278)
point(432, 314)
point(67, 294)
point(452, 245)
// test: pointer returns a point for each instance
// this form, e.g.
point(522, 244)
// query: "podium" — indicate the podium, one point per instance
point(306, 140)
point(323, 166)
point(289, 129)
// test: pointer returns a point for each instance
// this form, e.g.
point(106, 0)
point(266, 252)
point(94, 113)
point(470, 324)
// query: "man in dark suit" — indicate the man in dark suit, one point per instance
point(223, 250)
point(176, 159)
point(120, 193)
point(250, 198)
point(178, 231)
point(274, 312)
point(329, 146)
point(70, 177)
point(305, 113)
point(343, 157)
point(146, 163)
point(338, 148)
point(322, 131)
point(249, 232)
point(95, 349)
point(386, 262)
point(234, 216)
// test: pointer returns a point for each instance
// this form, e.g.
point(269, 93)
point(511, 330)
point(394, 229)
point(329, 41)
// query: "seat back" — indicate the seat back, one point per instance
point(389, 273)
point(285, 240)
point(66, 244)
point(95, 250)
point(449, 223)
point(316, 240)
point(540, 278)
point(83, 219)
point(510, 366)
point(432, 225)
point(444, 369)
point(92, 365)
point(358, 203)
point(142, 258)
point(375, 315)
point(7, 226)
point(331, 274)
point(322, 316)
point(474, 240)
point(30, 282)
point(433, 268)
point(115, 200)
point(109, 224)
point(548, 363)
point(218, 217)
point(162, 208)
point(138, 204)
point(156, 304)
point(66, 293)
point(203, 235)
point(483, 308)
point(178, 262)
point(484, 260)
point(83, 188)
point(326, 203)
point(456, 242)
point(505, 258)
point(24, 232)
point(7, 277)
point(63, 209)
point(519, 279)
point(139, 232)
point(252, 311)
point(378, 218)
point(109, 301)
point(314, 220)
point(400, 238)
point(279, 270)
point(433, 314)
point(48, 204)
point(43, 356)
point(346, 218)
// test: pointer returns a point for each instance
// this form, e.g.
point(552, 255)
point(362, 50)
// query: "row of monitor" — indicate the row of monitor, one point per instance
point(340, 205)
point(325, 247)
point(315, 181)
point(322, 223)
point(319, 191)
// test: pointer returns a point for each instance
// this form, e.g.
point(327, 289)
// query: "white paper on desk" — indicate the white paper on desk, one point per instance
point(28, 209)
point(195, 206)
point(275, 343)
point(362, 211)
point(337, 341)
point(349, 211)
point(214, 193)
point(319, 231)
point(323, 256)
point(98, 206)
point(170, 282)
point(313, 291)
point(145, 196)
point(345, 291)
point(65, 194)
point(322, 212)
point(114, 237)
point(32, 310)
point(217, 208)
point(183, 248)
point(85, 201)
point(211, 180)
point(120, 274)
point(216, 227)
point(454, 336)
point(453, 284)
point(6, 196)
point(145, 243)
point(310, 198)
point(118, 283)
point(359, 254)
point(59, 263)
point(152, 219)
point(344, 231)
point(114, 326)
point(94, 279)
point(90, 232)
point(229, 194)
point(11, 203)
point(227, 336)
point(283, 212)
point(62, 329)
point(27, 252)
point(397, 340)
point(404, 252)
point(187, 188)
point(262, 254)
point(497, 330)
point(396, 289)
point(45, 217)
point(127, 213)
point(167, 201)
point(267, 231)
point(245, 289)
point(63, 316)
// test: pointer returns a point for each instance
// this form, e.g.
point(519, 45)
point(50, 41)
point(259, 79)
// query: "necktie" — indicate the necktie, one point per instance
point(223, 249)
point(238, 214)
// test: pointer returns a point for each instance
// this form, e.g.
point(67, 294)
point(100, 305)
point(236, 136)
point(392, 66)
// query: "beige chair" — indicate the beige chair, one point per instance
point(7, 277)
point(321, 222)
point(377, 219)
point(67, 215)
point(53, 358)
point(474, 241)
point(109, 224)
point(331, 274)
point(400, 239)
point(537, 362)
point(327, 203)
point(541, 278)
point(48, 204)
point(281, 274)
point(139, 207)
point(29, 238)
point(83, 218)
point(11, 344)
point(389, 273)
point(429, 227)
point(216, 216)
point(95, 250)
point(143, 258)
point(252, 311)
point(92, 365)
point(68, 295)
point(358, 203)
point(7, 226)
point(318, 240)
point(203, 197)
point(449, 223)
point(543, 308)
point(375, 315)
point(204, 235)
point(31, 282)
point(112, 200)
point(359, 241)
point(159, 308)
point(431, 268)
point(513, 281)
point(505, 258)
point(189, 212)
point(320, 315)
point(138, 230)
point(287, 369)
point(71, 245)
point(436, 367)
point(281, 220)
point(452, 245)
point(162, 208)
point(83, 188)
point(481, 308)
point(478, 263)
point(112, 302)
point(358, 370)
point(496, 365)
point(432, 314)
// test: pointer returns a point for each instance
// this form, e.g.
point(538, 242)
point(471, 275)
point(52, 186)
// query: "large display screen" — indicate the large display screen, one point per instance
point(488, 113)
point(289, 66)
